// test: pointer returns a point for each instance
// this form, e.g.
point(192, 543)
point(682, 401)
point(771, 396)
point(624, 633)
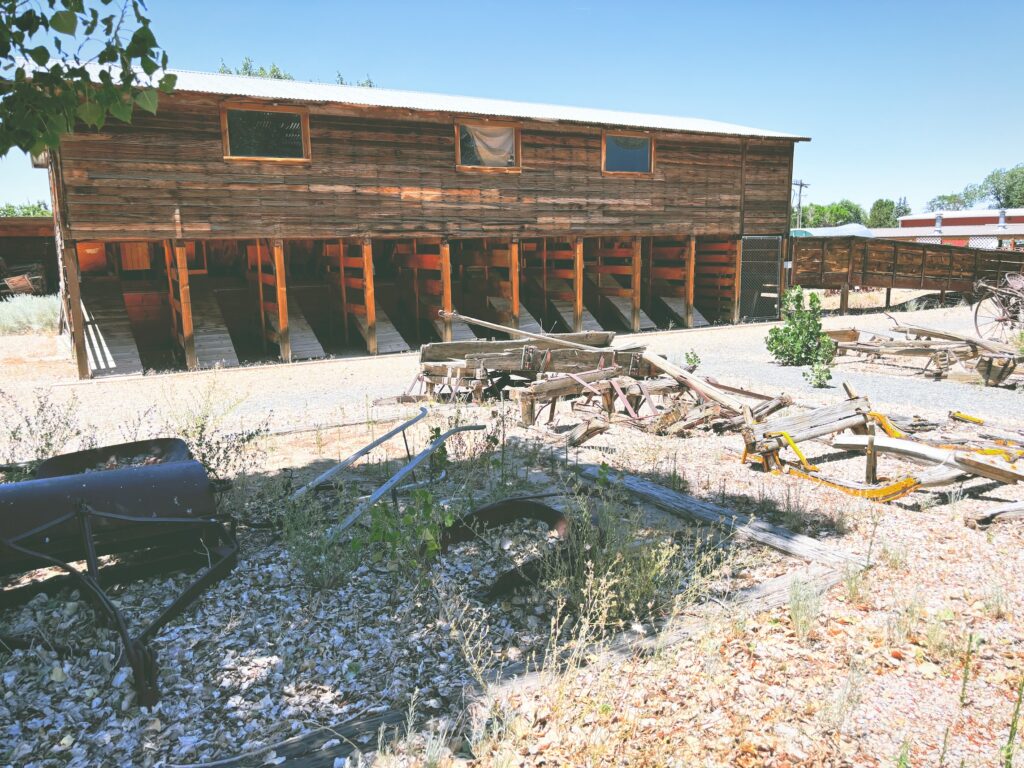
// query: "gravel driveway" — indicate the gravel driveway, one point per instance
point(342, 391)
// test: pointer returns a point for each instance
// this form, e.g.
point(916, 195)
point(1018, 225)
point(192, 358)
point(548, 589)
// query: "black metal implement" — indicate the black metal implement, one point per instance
point(147, 500)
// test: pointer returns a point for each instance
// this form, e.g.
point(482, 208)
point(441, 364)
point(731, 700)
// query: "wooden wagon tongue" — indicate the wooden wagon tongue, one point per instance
point(150, 499)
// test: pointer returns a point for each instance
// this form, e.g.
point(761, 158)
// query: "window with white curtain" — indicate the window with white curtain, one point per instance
point(487, 147)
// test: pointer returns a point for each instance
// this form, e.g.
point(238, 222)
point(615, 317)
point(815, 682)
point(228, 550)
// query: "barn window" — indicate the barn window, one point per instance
point(487, 147)
point(265, 133)
point(631, 153)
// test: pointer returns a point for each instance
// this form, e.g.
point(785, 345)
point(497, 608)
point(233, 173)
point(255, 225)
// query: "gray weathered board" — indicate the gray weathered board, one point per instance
point(388, 337)
point(109, 342)
point(212, 340)
point(304, 343)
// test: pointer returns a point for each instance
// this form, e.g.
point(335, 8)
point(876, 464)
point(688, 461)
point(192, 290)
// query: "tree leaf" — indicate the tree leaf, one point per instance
point(65, 22)
point(90, 113)
point(147, 100)
point(148, 65)
point(39, 55)
point(167, 83)
point(122, 110)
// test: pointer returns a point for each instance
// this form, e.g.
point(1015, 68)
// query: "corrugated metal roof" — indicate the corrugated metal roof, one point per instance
point(969, 230)
point(266, 88)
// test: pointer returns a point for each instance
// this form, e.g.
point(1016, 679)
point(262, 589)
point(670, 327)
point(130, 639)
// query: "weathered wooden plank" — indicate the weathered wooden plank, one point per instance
point(692, 508)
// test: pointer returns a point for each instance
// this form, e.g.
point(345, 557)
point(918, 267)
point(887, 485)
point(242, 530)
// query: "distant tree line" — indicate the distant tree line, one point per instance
point(40, 208)
point(249, 68)
point(1003, 188)
point(884, 213)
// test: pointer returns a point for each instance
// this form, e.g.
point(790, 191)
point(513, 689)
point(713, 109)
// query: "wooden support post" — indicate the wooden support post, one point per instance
point(281, 283)
point(188, 339)
point(844, 299)
point(637, 250)
point(342, 253)
point(513, 277)
point(888, 298)
point(446, 288)
point(262, 313)
point(871, 465)
point(691, 272)
point(577, 271)
point(368, 298)
point(737, 281)
point(76, 320)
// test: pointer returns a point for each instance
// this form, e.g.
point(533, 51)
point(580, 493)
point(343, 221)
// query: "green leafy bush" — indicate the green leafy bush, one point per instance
point(818, 375)
point(27, 314)
point(693, 359)
point(800, 341)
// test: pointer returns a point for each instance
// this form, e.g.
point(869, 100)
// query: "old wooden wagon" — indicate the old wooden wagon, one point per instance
point(254, 218)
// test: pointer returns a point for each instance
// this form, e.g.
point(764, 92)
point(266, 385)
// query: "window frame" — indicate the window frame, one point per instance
point(516, 127)
point(249, 106)
point(652, 155)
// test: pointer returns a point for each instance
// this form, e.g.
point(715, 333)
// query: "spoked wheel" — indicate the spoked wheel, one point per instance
point(992, 319)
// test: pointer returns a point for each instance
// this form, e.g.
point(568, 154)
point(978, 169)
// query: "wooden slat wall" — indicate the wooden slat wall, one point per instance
point(385, 172)
point(835, 262)
point(716, 277)
point(612, 268)
point(487, 279)
point(668, 271)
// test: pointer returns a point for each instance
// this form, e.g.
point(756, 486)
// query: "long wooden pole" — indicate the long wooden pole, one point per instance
point(185, 299)
point(681, 375)
point(446, 289)
point(577, 271)
point(283, 336)
point(369, 300)
point(77, 317)
point(513, 277)
point(637, 249)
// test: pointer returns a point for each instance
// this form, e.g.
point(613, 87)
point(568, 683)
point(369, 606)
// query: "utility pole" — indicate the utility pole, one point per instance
point(799, 184)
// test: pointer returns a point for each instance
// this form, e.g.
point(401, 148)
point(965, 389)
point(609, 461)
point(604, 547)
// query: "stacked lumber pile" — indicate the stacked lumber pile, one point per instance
point(956, 356)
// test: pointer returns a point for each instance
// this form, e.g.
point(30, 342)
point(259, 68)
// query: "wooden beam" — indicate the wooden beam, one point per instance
point(691, 267)
point(513, 277)
point(342, 247)
point(283, 339)
point(577, 271)
point(446, 287)
point(261, 309)
point(737, 281)
point(368, 297)
point(637, 250)
point(188, 340)
point(76, 321)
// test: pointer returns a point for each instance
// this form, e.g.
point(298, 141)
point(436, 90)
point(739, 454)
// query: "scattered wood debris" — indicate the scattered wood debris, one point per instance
point(956, 356)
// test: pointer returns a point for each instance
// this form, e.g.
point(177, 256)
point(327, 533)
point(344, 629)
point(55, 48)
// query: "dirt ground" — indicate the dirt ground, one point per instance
point(914, 661)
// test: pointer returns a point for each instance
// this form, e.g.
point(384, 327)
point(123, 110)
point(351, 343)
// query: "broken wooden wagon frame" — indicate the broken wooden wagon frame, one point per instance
point(147, 498)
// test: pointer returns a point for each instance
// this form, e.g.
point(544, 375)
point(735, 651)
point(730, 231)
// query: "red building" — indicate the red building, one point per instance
point(998, 229)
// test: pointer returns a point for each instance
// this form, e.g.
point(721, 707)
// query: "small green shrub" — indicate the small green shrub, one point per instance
point(693, 359)
point(800, 341)
point(818, 375)
point(38, 428)
point(29, 314)
point(804, 607)
point(321, 557)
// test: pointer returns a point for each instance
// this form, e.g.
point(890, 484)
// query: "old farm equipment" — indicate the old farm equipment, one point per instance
point(124, 511)
point(1000, 308)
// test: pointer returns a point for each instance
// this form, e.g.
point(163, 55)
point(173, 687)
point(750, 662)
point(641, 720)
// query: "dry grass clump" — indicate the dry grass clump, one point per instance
point(29, 314)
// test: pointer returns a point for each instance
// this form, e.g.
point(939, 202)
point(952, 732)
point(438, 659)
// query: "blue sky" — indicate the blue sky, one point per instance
point(900, 98)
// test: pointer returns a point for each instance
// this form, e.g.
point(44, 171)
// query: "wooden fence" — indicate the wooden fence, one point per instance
point(844, 262)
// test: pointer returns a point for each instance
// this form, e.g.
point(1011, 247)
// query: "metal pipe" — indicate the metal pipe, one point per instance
point(398, 477)
point(323, 478)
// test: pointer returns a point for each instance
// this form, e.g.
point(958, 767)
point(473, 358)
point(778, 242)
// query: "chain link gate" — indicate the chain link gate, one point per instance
point(759, 278)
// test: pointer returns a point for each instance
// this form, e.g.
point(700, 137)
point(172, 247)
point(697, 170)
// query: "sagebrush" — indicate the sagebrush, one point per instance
point(29, 314)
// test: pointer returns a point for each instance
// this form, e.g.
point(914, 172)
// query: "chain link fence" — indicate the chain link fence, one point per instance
point(759, 278)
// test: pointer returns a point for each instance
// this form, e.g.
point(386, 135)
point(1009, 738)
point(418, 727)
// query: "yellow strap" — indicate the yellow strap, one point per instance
point(803, 459)
point(961, 416)
point(887, 426)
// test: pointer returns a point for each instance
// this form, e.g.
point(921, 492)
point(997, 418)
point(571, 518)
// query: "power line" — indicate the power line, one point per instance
point(800, 184)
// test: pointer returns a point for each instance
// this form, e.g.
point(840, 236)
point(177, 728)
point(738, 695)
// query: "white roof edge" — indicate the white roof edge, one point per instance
point(267, 88)
point(964, 214)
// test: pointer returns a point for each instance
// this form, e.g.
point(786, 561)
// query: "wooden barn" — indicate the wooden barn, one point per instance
point(257, 219)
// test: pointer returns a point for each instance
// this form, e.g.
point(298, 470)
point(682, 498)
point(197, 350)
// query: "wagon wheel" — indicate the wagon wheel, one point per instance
point(992, 319)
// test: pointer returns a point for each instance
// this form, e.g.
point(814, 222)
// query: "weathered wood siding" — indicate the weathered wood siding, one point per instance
point(834, 262)
point(378, 172)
